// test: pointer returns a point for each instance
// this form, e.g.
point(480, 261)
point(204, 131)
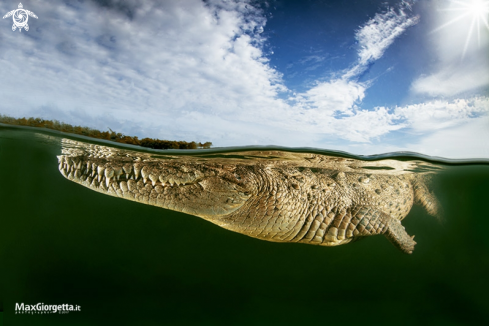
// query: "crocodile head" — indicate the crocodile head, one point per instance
point(207, 190)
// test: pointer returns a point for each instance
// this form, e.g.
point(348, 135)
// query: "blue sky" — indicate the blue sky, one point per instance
point(366, 77)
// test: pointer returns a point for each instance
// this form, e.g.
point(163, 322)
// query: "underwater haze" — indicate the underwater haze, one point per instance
point(127, 263)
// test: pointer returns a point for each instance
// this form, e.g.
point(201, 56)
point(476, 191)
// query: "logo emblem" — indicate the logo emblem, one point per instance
point(20, 17)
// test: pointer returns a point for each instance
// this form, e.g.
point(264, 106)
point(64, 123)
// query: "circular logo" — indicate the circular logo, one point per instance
point(20, 17)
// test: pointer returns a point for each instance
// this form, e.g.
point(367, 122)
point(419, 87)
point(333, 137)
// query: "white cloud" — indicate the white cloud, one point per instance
point(380, 32)
point(338, 95)
point(418, 119)
point(450, 129)
point(453, 79)
point(171, 56)
point(440, 114)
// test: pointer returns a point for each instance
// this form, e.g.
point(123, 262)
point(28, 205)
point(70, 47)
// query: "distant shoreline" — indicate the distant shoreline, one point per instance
point(106, 135)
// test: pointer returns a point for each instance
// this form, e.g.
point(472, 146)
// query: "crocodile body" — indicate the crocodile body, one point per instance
point(317, 200)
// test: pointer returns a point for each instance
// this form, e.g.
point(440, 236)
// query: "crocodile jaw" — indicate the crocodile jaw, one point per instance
point(197, 189)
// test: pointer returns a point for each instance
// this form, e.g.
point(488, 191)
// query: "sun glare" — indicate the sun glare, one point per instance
point(477, 7)
point(475, 10)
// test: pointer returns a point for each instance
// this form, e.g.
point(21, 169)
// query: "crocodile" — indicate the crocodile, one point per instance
point(276, 195)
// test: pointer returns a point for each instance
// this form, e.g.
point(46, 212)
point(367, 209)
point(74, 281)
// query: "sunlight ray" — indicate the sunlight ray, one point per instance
point(450, 22)
point(468, 38)
point(478, 32)
point(464, 4)
point(485, 22)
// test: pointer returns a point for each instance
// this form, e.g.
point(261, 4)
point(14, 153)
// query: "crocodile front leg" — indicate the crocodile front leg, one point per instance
point(398, 236)
point(370, 221)
point(342, 225)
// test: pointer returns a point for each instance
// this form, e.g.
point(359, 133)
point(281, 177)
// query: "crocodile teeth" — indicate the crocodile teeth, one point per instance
point(109, 172)
point(100, 170)
point(131, 185)
point(153, 179)
point(118, 172)
point(145, 173)
point(137, 169)
point(102, 184)
point(127, 169)
point(123, 185)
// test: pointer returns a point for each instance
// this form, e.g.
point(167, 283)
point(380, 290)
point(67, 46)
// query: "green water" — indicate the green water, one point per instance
point(127, 263)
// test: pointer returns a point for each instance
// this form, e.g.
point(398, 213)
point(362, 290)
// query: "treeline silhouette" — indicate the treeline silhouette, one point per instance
point(108, 135)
